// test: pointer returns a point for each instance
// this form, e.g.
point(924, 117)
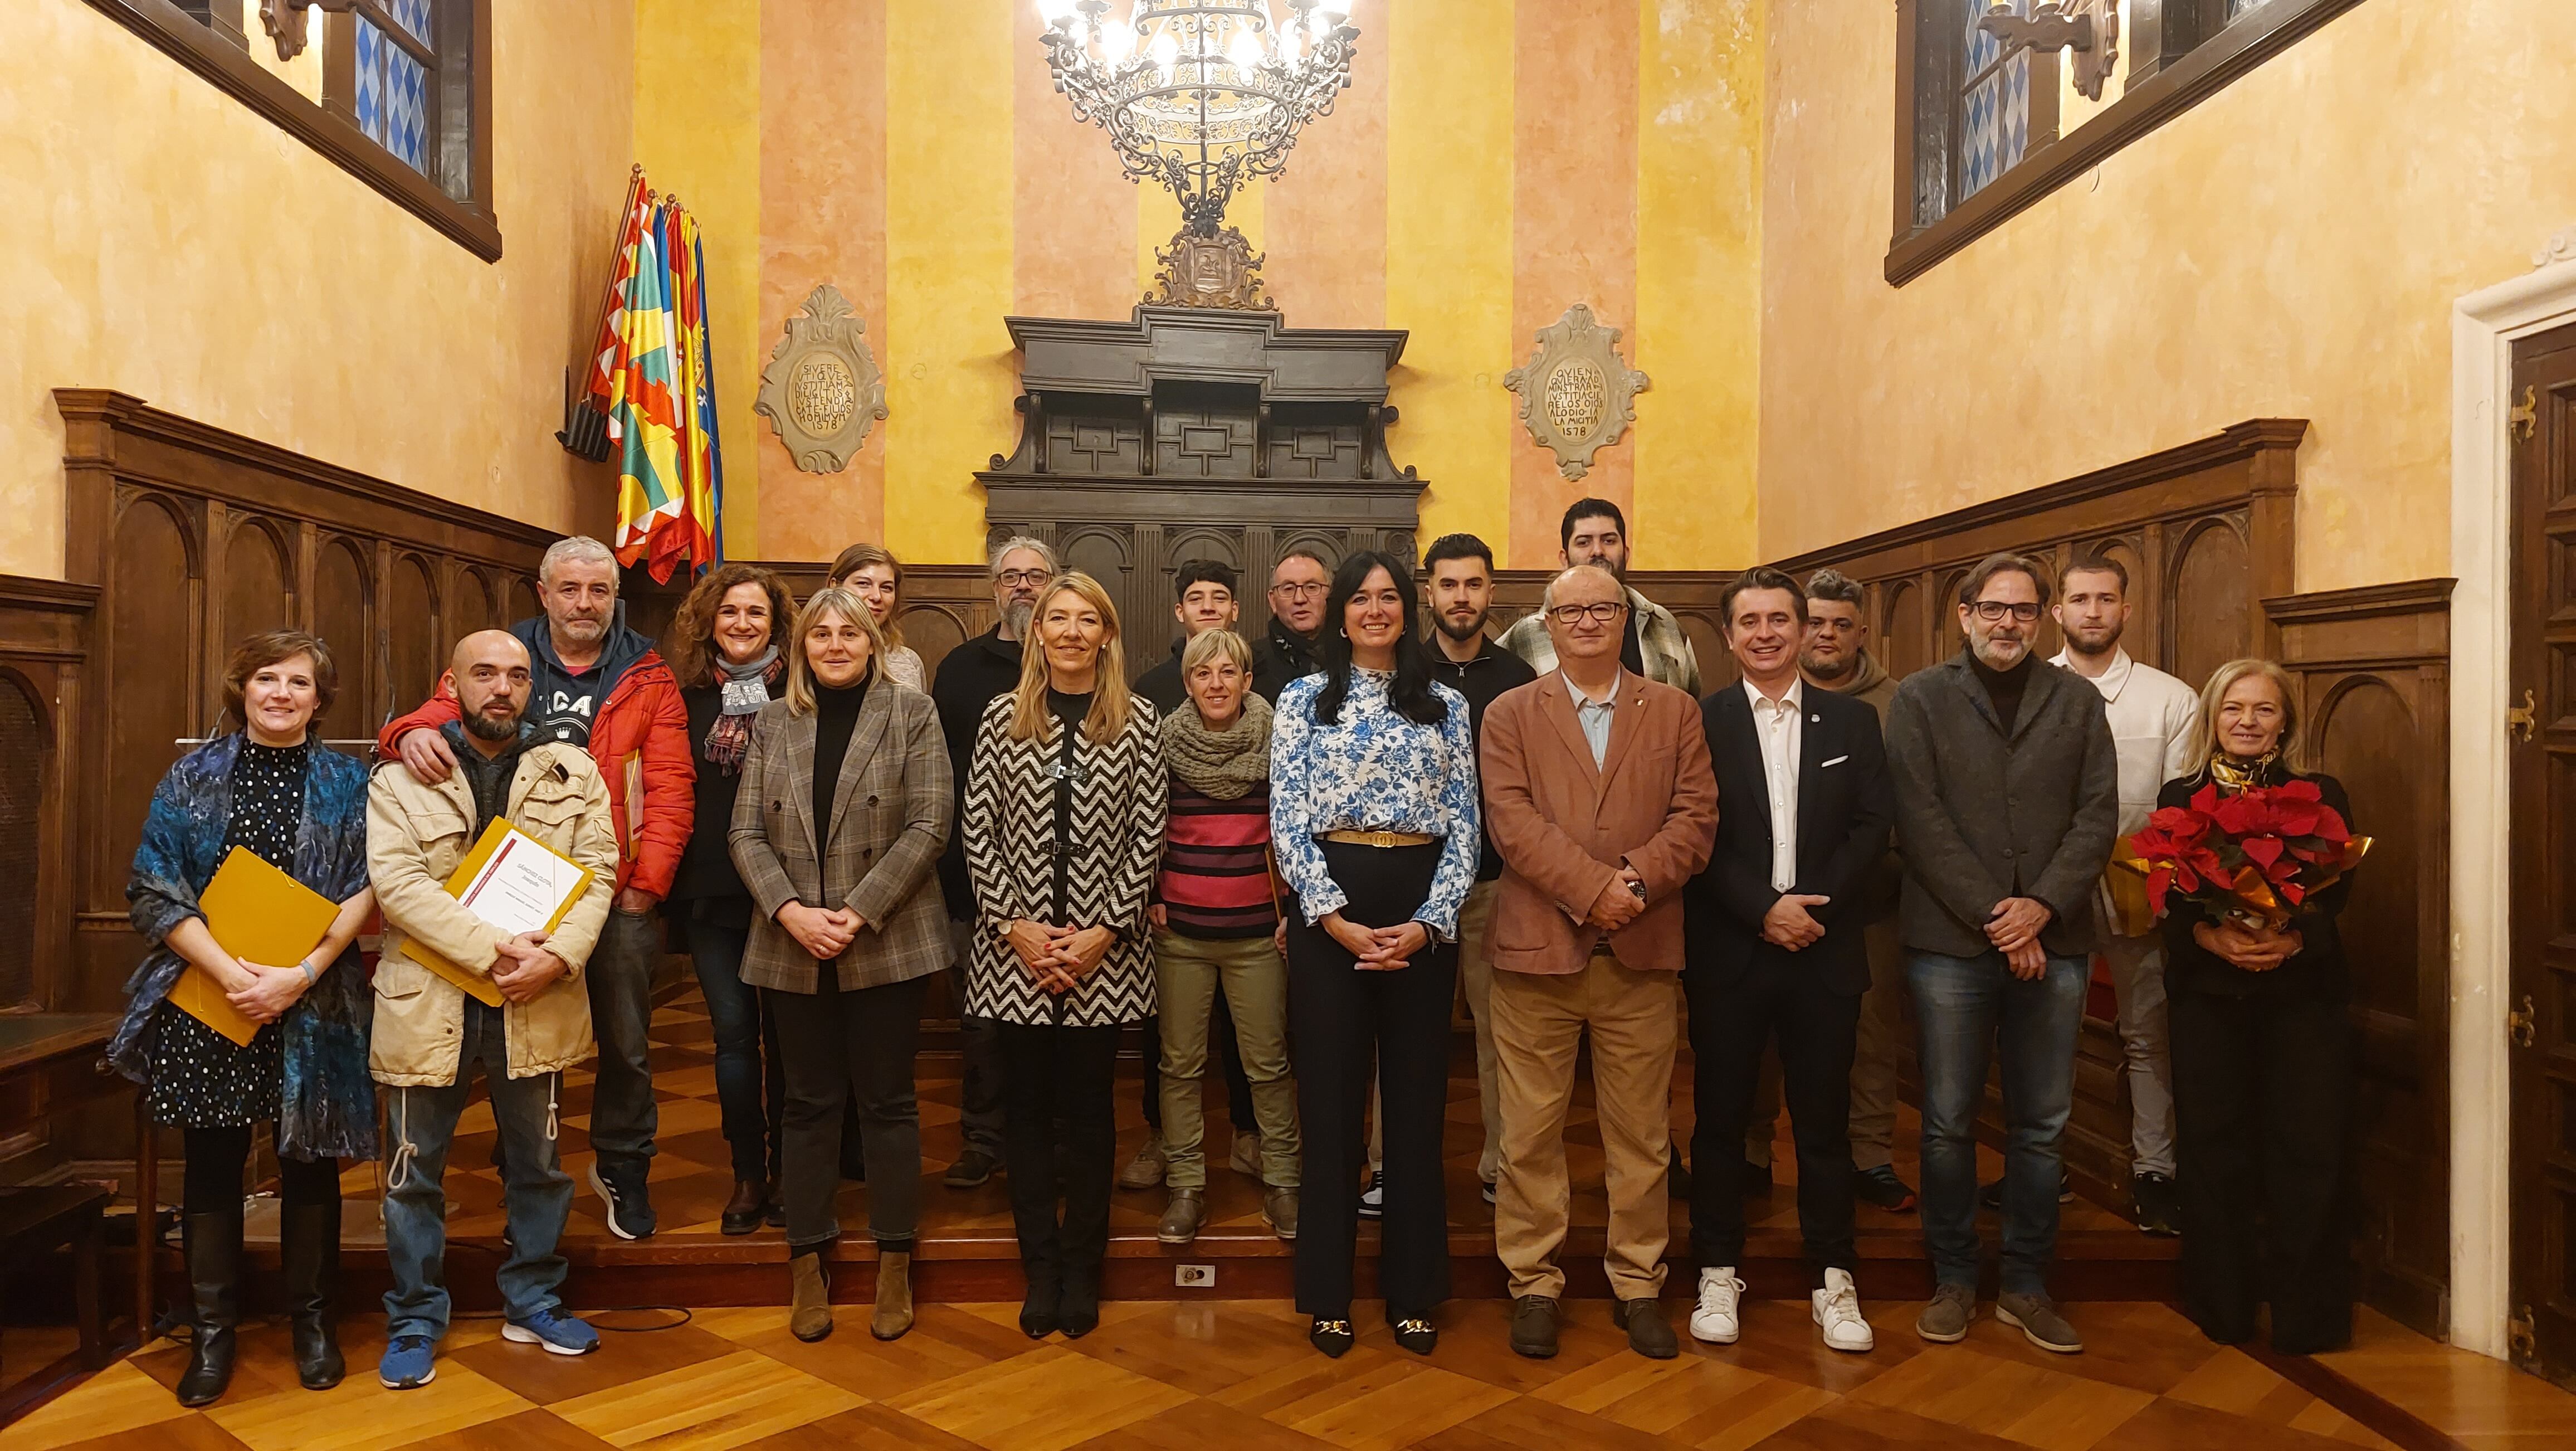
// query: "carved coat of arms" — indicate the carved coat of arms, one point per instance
point(1577, 394)
point(822, 391)
point(1219, 271)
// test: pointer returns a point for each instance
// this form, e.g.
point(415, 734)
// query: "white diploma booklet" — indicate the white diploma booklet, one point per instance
point(522, 886)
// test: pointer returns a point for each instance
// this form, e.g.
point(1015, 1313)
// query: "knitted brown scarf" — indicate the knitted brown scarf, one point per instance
point(1223, 764)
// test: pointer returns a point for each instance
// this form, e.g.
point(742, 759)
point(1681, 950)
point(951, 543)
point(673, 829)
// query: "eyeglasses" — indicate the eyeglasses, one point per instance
point(1023, 578)
point(1991, 611)
point(1601, 613)
point(1299, 591)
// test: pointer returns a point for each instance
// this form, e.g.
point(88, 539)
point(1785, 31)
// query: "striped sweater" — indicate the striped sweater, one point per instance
point(1216, 865)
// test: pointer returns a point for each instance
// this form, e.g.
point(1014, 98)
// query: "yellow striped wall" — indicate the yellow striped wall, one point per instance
point(1487, 168)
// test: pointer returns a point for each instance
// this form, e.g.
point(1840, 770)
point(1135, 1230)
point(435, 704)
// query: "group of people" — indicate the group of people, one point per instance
point(1286, 858)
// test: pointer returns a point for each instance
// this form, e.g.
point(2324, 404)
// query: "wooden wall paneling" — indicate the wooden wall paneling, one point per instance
point(2373, 667)
point(190, 537)
point(45, 648)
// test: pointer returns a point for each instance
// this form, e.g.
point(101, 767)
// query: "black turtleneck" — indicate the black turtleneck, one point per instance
point(836, 714)
point(2003, 687)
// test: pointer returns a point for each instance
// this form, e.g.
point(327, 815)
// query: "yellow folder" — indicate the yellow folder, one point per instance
point(476, 985)
point(258, 914)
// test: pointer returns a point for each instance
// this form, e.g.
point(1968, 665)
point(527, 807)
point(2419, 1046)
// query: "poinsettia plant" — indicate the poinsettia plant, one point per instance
point(2255, 856)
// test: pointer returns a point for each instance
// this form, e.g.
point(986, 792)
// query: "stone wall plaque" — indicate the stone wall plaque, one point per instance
point(822, 391)
point(1577, 394)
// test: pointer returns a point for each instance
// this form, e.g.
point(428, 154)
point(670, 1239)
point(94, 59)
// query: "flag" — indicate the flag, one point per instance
point(706, 504)
point(644, 411)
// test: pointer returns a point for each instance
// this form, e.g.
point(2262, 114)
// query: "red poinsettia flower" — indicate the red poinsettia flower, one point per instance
point(2247, 813)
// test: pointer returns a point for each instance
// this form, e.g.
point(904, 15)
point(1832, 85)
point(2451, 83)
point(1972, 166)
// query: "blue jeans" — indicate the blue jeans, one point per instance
point(733, 1012)
point(538, 1191)
point(1965, 1006)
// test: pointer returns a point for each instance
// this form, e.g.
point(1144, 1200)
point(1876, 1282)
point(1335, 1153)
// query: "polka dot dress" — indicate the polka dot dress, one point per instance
point(200, 1079)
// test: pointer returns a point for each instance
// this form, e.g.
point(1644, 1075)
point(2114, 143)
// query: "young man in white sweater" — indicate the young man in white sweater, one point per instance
point(2155, 725)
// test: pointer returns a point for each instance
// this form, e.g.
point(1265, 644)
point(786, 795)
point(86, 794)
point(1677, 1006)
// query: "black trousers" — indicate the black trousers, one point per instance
point(212, 1183)
point(837, 1047)
point(1346, 1022)
point(2263, 1089)
point(1731, 1020)
point(1229, 1058)
point(1058, 1085)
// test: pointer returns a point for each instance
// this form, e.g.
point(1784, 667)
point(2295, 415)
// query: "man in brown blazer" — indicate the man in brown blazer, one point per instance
point(1600, 797)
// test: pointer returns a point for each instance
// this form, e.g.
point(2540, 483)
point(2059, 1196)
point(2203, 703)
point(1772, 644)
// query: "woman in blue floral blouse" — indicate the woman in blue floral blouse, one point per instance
point(272, 789)
point(1373, 814)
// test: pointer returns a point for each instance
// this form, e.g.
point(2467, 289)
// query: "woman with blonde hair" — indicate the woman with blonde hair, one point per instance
point(2262, 1059)
point(873, 574)
point(845, 805)
point(1063, 829)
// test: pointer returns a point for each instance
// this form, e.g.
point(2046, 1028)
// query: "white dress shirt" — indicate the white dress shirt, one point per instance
point(2156, 736)
point(1779, 726)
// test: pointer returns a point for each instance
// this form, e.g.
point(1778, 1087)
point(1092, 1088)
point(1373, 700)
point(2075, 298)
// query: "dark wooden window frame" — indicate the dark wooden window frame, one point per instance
point(2162, 84)
point(333, 130)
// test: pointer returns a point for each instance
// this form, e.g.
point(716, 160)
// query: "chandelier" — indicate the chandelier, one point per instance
point(1201, 96)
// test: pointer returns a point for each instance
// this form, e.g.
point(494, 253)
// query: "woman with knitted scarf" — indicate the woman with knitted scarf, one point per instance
point(1216, 925)
point(725, 653)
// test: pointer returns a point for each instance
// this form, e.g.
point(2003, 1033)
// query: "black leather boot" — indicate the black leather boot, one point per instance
point(309, 1245)
point(213, 1250)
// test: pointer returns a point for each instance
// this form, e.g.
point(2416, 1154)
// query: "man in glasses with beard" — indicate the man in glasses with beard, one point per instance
point(2007, 795)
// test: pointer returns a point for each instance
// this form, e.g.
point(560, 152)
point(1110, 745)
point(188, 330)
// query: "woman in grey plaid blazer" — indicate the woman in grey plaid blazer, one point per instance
point(844, 807)
point(1065, 799)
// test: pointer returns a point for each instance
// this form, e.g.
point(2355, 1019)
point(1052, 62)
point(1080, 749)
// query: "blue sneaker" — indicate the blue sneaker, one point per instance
point(410, 1362)
point(559, 1333)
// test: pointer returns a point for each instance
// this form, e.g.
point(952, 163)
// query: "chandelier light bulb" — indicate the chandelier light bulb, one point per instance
point(1246, 52)
point(1117, 42)
point(1166, 51)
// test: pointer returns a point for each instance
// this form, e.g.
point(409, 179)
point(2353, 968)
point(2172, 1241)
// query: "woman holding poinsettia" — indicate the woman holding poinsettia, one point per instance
point(2247, 861)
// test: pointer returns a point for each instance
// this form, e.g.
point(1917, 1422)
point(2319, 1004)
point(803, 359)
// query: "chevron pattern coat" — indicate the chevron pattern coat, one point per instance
point(1120, 797)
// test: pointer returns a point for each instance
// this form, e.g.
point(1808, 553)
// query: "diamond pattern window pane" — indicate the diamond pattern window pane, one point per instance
point(393, 88)
point(412, 15)
point(1994, 112)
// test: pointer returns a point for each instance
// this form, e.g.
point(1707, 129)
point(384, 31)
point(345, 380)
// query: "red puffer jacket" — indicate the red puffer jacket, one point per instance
point(640, 739)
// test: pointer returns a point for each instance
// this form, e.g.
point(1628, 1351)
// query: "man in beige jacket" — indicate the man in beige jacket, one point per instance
point(429, 1032)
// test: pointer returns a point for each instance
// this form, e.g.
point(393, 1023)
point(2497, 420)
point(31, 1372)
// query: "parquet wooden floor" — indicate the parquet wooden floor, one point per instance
point(1238, 1374)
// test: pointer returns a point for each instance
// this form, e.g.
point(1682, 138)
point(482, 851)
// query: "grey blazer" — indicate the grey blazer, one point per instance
point(890, 820)
point(1981, 815)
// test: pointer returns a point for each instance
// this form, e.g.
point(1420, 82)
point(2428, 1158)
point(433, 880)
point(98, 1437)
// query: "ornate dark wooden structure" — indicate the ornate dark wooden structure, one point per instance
point(1197, 433)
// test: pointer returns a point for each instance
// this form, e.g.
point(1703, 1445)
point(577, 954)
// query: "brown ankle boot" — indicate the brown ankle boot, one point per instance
point(894, 1295)
point(742, 1212)
point(809, 1305)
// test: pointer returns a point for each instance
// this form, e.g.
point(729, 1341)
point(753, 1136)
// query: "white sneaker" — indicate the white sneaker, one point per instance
point(1714, 1319)
point(1837, 1312)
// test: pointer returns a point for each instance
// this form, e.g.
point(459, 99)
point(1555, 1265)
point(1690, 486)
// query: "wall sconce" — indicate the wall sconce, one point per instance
point(2090, 28)
point(286, 22)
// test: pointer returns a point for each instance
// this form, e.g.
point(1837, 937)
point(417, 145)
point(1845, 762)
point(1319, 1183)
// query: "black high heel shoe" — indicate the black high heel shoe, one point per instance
point(1415, 1333)
point(1038, 1308)
point(1333, 1337)
point(1077, 1311)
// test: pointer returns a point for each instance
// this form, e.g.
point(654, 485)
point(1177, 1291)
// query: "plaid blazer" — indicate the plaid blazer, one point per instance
point(890, 821)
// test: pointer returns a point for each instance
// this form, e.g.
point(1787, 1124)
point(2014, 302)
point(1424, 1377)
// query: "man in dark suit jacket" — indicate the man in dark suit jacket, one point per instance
point(1776, 951)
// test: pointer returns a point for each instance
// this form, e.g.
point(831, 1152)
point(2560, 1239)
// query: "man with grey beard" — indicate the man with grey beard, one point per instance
point(2007, 795)
point(969, 677)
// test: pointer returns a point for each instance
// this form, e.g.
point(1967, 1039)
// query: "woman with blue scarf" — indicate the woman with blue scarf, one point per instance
point(271, 788)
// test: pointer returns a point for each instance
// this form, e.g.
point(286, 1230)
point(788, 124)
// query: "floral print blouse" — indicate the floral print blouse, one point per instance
point(1373, 770)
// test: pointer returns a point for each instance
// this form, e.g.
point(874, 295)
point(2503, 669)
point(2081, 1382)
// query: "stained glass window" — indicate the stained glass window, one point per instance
point(396, 48)
point(1994, 103)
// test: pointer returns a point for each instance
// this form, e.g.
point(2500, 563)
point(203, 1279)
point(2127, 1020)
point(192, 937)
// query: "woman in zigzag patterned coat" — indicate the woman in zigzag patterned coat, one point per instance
point(1063, 827)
